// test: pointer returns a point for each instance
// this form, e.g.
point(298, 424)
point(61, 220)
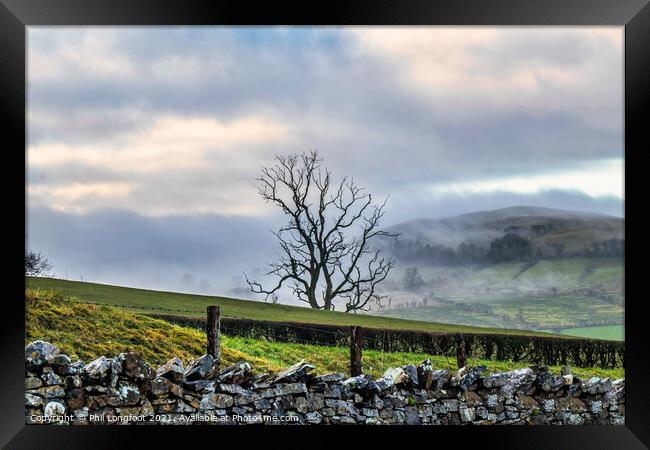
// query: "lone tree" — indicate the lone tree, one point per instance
point(36, 264)
point(412, 279)
point(326, 252)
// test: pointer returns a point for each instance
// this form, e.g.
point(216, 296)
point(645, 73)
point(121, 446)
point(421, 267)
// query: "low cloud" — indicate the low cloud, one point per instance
point(143, 129)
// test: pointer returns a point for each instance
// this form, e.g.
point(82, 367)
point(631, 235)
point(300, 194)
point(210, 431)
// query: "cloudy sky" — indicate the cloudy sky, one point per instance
point(143, 143)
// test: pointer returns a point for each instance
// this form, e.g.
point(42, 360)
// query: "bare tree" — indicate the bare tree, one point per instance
point(412, 279)
point(36, 264)
point(326, 251)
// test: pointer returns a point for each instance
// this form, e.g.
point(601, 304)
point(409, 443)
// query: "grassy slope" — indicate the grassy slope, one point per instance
point(88, 331)
point(495, 289)
point(141, 299)
point(611, 332)
point(565, 274)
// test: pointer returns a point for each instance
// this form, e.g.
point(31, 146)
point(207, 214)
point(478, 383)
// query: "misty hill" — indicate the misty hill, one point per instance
point(469, 237)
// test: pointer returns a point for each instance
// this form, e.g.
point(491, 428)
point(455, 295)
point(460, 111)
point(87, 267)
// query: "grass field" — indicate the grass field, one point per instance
point(564, 274)
point(141, 300)
point(519, 311)
point(609, 332)
point(552, 294)
point(88, 331)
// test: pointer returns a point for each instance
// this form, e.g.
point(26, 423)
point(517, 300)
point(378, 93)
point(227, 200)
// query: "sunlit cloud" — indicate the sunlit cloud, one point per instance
point(173, 121)
point(598, 179)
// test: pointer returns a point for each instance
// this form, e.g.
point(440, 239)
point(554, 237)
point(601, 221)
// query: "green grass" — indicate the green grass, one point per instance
point(558, 311)
point(552, 294)
point(609, 332)
point(89, 331)
point(520, 311)
point(563, 274)
point(140, 300)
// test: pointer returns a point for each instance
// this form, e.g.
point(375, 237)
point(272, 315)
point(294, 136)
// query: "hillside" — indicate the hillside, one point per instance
point(89, 331)
point(544, 227)
point(570, 295)
point(520, 267)
point(142, 300)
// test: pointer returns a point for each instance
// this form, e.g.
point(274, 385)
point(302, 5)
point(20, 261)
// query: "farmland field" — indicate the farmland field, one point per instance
point(142, 300)
point(609, 332)
point(89, 331)
point(545, 295)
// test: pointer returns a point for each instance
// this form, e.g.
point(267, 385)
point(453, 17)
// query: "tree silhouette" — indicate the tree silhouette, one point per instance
point(326, 248)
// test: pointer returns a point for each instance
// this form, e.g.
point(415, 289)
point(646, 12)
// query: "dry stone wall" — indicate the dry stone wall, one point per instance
point(125, 390)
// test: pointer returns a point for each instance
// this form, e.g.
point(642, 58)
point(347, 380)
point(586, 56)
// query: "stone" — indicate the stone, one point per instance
point(425, 374)
point(491, 400)
point(315, 400)
point(39, 352)
point(233, 389)
point(400, 416)
point(48, 392)
point(550, 383)
point(262, 404)
point(471, 377)
point(54, 408)
point(527, 402)
point(172, 370)
point(344, 420)
point(194, 402)
point(128, 393)
point(301, 404)
point(411, 416)
point(75, 398)
point(616, 393)
point(76, 368)
point(61, 360)
point(33, 383)
point(332, 391)
point(51, 379)
point(261, 377)
point(238, 373)
point(404, 395)
point(512, 381)
point(313, 418)
point(596, 385)
point(100, 368)
point(330, 378)
point(370, 412)
point(199, 385)
point(246, 398)
point(292, 388)
point(439, 378)
point(472, 398)
point(548, 406)
point(33, 400)
point(295, 373)
point(182, 407)
point(216, 401)
point(395, 376)
point(73, 381)
point(81, 416)
point(467, 414)
point(411, 374)
point(596, 407)
point(356, 383)
point(160, 386)
point(133, 366)
point(451, 405)
point(199, 369)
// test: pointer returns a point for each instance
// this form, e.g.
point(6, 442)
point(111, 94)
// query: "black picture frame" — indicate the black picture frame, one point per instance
point(16, 15)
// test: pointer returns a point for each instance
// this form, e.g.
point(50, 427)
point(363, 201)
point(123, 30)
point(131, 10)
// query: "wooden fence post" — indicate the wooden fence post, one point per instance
point(213, 330)
point(461, 356)
point(356, 346)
